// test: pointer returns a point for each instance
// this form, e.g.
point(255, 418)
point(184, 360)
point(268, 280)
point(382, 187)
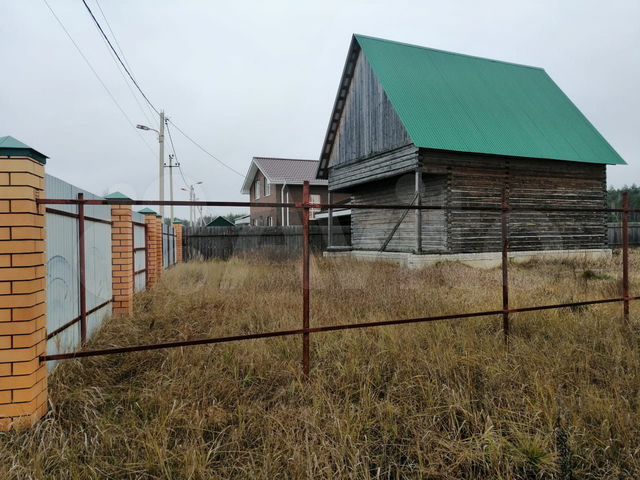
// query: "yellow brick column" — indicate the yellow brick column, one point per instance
point(178, 229)
point(23, 308)
point(121, 256)
point(159, 249)
point(151, 245)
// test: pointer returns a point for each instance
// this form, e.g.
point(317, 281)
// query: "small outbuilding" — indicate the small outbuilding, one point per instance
point(220, 222)
point(415, 125)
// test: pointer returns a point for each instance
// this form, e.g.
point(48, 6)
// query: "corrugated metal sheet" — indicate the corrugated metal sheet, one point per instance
point(168, 245)
point(63, 278)
point(449, 101)
point(139, 260)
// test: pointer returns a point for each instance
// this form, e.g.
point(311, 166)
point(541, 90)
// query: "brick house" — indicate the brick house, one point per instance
point(279, 180)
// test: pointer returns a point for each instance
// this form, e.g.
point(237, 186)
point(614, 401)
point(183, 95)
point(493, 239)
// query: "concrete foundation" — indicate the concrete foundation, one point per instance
point(480, 260)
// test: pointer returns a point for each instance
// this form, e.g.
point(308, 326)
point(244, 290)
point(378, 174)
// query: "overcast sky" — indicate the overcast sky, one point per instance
point(259, 78)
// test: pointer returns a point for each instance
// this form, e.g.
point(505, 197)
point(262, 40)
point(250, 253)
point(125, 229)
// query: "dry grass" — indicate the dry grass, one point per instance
point(429, 401)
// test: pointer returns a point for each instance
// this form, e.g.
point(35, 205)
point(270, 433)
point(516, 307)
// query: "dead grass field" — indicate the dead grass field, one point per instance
point(440, 400)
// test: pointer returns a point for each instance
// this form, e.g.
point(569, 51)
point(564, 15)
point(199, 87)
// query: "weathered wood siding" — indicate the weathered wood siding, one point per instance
point(377, 167)
point(370, 138)
point(456, 180)
point(370, 228)
point(476, 180)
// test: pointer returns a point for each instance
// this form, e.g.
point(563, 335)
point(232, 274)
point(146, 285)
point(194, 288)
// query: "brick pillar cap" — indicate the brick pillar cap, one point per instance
point(117, 196)
point(12, 147)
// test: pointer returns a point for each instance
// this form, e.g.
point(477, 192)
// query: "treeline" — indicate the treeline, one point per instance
point(614, 200)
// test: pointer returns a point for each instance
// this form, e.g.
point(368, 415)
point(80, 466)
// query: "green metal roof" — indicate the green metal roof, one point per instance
point(147, 211)
point(11, 147)
point(450, 101)
point(220, 222)
point(117, 196)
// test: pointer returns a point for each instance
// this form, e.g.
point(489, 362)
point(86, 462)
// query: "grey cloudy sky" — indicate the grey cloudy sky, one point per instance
point(249, 78)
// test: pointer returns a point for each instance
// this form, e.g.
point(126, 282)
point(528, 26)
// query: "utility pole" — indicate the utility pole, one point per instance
point(161, 166)
point(192, 198)
point(171, 167)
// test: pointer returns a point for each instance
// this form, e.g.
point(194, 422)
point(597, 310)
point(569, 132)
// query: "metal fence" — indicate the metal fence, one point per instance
point(206, 243)
point(71, 279)
point(305, 331)
point(139, 252)
point(168, 245)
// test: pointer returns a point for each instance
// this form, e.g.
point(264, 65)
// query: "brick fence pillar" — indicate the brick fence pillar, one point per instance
point(151, 256)
point(121, 256)
point(23, 308)
point(159, 249)
point(178, 229)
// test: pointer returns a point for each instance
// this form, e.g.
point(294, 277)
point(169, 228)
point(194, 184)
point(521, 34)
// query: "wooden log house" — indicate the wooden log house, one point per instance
point(418, 125)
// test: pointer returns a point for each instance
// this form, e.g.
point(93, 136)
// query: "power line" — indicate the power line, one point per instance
point(175, 155)
point(86, 60)
point(135, 97)
point(205, 151)
point(118, 57)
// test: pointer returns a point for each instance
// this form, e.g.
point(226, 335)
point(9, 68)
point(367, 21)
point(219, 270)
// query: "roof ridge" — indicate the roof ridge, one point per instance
point(448, 52)
point(289, 159)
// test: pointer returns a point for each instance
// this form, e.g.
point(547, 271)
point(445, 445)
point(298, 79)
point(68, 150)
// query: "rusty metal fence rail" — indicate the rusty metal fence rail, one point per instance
point(504, 209)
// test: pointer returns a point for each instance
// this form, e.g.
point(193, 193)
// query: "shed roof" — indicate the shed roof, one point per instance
point(220, 221)
point(282, 170)
point(456, 102)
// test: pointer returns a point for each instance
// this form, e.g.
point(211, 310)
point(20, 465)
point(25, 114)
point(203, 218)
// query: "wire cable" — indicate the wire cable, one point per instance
point(118, 57)
point(175, 155)
point(205, 151)
point(184, 180)
point(124, 77)
point(95, 73)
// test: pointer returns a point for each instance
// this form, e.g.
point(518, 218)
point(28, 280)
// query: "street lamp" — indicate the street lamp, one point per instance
point(192, 198)
point(161, 165)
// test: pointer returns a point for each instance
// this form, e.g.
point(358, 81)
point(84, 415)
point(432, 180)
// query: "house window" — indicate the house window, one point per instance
point(315, 198)
point(267, 188)
point(269, 221)
point(257, 190)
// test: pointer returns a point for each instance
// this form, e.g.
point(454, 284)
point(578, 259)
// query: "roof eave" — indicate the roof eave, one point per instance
point(338, 105)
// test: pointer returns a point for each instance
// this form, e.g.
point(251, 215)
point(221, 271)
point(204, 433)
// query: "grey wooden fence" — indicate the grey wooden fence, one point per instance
point(614, 230)
point(204, 243)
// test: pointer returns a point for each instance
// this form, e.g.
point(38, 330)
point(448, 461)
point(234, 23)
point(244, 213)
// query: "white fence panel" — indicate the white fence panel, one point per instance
point(139, 256)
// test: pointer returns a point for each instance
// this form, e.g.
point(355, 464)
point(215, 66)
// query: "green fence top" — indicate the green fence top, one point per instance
point(11, 147)
point(148, 211)
point(117, 196)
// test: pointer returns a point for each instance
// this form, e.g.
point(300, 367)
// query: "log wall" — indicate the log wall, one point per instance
point(461, 180)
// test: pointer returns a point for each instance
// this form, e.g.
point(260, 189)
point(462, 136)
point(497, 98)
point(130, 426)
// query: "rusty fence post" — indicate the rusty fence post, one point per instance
point(505, 265)
point(625, 255)
point(305, 278)
point(83, 271)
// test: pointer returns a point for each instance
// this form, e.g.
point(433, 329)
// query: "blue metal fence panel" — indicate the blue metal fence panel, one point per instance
point(63, 277)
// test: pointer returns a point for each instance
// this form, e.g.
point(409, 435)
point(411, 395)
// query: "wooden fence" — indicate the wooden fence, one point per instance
point(614, 230)
point(205, 243)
